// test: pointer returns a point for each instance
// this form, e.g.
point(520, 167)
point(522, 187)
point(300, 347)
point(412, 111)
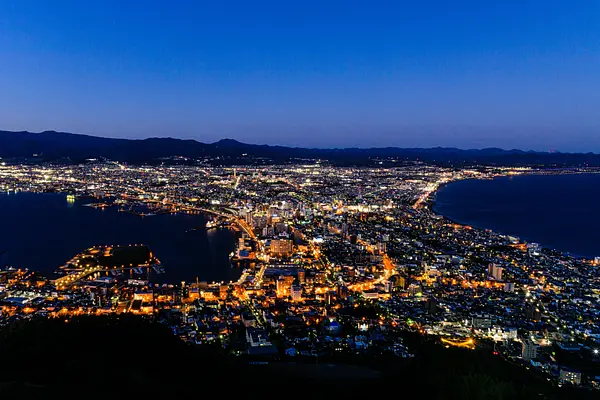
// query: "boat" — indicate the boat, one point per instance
point(211, 224)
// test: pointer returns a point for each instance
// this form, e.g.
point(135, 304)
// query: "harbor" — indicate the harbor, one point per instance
point(57, 229)
point(117, 261)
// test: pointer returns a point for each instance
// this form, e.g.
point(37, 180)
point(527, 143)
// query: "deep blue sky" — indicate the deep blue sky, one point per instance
point(513, 74)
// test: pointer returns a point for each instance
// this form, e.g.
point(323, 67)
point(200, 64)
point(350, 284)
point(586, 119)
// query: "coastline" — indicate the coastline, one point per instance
point(180, 258)
point(432, 201)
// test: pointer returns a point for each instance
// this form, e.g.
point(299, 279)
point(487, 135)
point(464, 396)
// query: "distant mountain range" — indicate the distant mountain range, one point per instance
point(55, 146)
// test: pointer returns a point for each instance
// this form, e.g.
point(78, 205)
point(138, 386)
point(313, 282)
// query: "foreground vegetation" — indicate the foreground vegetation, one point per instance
point(126, 355)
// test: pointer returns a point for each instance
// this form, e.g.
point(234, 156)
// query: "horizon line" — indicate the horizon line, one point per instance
point(225, 139)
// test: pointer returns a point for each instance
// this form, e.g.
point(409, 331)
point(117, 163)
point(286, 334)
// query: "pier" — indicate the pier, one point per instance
point(105, 259)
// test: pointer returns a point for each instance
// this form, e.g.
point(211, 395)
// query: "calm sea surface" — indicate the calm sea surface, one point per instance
point(557, 211)
point(42, 231)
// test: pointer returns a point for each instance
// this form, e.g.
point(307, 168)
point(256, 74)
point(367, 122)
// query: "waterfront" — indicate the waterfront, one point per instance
point(557, 211)
point(43, 231)
point(356, 252)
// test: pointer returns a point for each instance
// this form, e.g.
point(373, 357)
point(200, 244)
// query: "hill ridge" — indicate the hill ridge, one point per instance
point(53, 145)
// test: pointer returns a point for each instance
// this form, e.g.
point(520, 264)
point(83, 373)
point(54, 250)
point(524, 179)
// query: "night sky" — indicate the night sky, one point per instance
point(470, 74)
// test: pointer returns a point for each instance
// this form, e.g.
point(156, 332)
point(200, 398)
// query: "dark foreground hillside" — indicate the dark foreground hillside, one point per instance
point(112, 357)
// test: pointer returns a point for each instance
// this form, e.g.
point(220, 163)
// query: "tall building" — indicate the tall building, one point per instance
point(569, 376)
point(296, 293)
point(342, 291)
point(509, 287)
point(388, 285)
point(495, 271)
point(301, 276)
point(281, 247)
point(320, 277)
point(481, 321)
point(528, 350)
point(284, 286)
point(399, 281)
point(259, 221)
point(249, 220)
point(268, 231)
point(328, 296)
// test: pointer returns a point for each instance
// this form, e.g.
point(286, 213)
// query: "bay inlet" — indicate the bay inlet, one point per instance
point(558, 211)
point(42, 231)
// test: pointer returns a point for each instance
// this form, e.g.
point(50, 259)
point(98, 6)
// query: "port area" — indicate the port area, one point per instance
point(99, 261)
point(134, 206)
point(217, 222)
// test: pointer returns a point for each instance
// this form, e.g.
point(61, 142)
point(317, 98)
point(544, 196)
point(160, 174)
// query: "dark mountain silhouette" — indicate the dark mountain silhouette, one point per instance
point(52, 146)
point(124, 355)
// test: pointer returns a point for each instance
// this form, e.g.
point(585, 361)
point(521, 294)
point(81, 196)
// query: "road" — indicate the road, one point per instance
point(67, 280)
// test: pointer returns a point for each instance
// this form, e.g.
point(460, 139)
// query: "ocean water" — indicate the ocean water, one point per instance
point(557, 211)
point(42, 231)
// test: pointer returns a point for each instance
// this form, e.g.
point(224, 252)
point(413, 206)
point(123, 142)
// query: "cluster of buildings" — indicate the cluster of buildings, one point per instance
point(337, 261)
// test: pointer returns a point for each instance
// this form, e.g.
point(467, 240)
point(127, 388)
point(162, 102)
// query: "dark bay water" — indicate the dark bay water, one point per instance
point(42, 231)
point(557, 211)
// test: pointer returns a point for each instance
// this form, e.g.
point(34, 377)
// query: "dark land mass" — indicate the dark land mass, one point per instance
point(119, 356)
point(68, 147)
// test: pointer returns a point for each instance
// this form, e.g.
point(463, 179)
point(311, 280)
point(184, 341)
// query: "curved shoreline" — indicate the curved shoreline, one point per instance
point(432, 201)
point(187, 269)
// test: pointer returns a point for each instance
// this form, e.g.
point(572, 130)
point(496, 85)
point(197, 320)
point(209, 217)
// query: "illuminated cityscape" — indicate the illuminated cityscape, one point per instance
point(300, 199)
point(335, 261)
